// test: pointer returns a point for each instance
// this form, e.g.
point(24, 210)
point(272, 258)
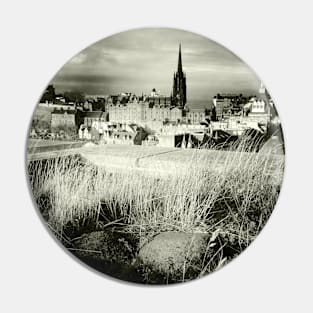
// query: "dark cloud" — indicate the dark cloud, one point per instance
point(142, 59)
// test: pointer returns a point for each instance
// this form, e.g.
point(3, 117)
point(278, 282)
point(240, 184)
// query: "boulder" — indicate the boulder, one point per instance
point(173, 252)
point(107, 246)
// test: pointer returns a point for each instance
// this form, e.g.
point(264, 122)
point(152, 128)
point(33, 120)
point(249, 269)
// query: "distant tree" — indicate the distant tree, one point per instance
point(212, 114)
point(74, 96)
point(40, 125)
point(141, 135)
point(69, 131)
point(48, 95)
point(99, 105)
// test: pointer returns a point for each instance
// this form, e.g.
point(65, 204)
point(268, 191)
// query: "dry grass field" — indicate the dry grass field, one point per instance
point(231, 203)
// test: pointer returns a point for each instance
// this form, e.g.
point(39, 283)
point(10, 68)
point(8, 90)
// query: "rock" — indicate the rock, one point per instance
point(173, 252)
point(106, 246)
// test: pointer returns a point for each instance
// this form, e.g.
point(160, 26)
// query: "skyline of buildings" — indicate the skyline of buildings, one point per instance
point(156, 110)
point(158, 113)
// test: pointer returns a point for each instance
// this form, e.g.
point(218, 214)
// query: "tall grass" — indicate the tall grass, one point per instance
point(234, 192)
point(227, 194)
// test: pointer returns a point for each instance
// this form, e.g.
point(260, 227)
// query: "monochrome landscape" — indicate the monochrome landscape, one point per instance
point(155, 156)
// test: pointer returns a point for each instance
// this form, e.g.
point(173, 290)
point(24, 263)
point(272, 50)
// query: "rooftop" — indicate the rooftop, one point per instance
point(64, 111)
point(98, 114)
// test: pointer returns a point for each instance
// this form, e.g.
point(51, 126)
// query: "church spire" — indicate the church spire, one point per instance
point(179, 84)
point(180, 66)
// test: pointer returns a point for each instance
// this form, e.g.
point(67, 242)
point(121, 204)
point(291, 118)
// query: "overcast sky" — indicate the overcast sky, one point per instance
point(139, 60)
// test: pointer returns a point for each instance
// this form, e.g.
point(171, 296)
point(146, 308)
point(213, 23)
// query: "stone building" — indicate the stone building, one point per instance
point(227, 105)
point(125, 109)
point(94, 116)
point(61, 118)
point(195, 116)
point(260, 111)
point(144, 110)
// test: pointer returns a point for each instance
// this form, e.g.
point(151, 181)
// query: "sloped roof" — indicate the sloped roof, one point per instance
point(63, 112)
point(197, 110)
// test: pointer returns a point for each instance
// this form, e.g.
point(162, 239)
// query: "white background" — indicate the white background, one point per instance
point(275, 38)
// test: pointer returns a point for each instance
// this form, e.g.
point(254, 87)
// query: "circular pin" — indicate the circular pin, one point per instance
point(155, 156)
